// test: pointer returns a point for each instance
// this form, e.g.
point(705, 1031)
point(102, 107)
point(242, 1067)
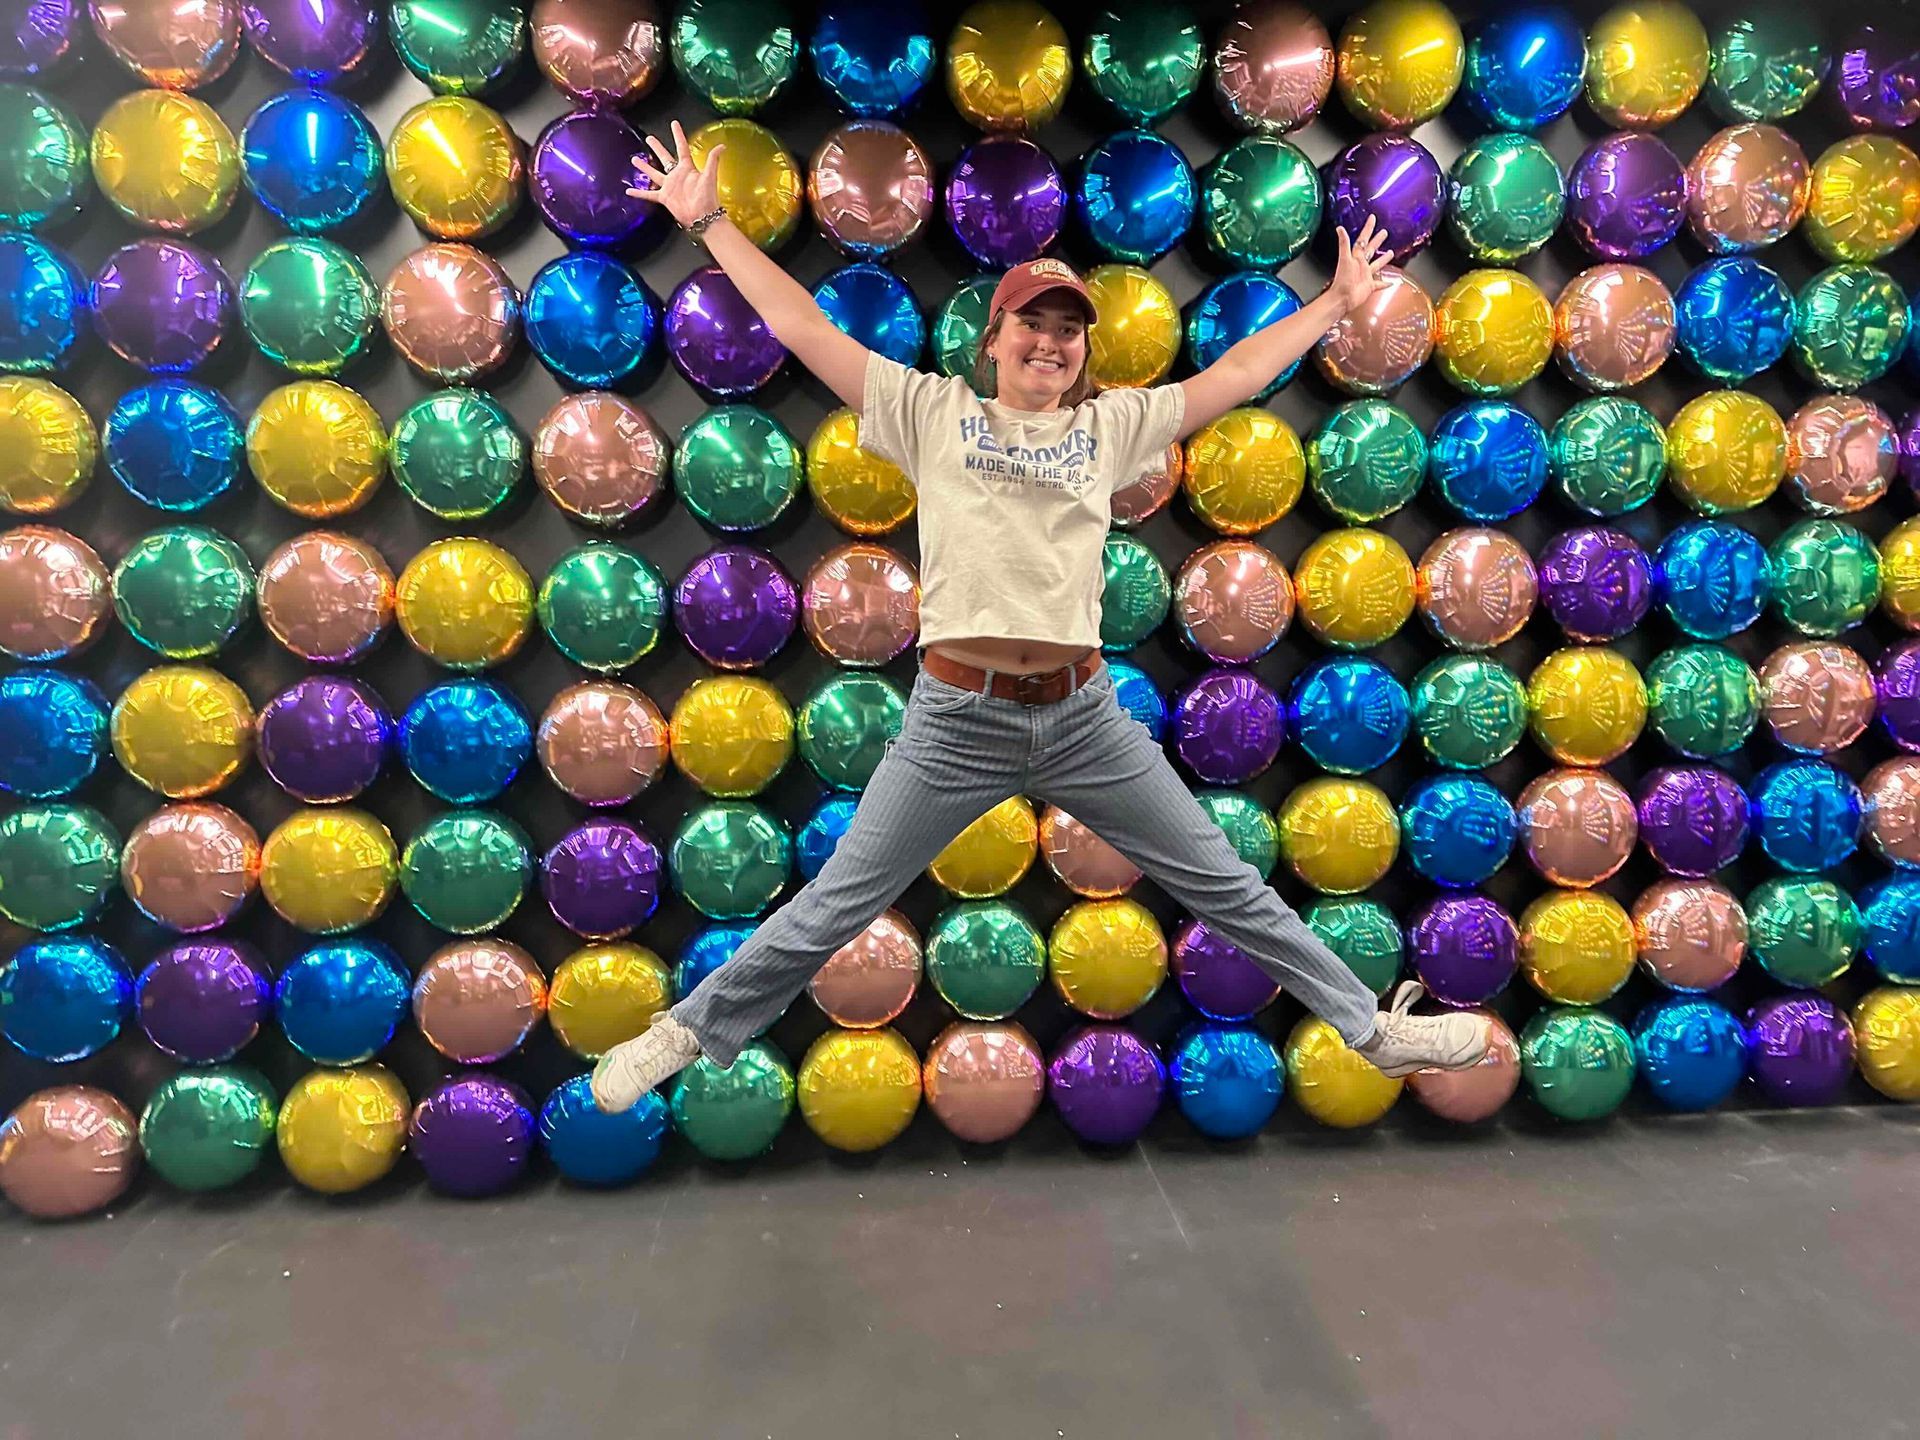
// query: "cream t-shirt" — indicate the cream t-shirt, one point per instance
point(1014, 505)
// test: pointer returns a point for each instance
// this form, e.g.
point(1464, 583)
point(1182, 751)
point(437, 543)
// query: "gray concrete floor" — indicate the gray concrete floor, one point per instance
point(1748, 1275)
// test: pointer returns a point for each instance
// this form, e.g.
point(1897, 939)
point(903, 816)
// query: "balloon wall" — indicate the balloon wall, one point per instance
point(440, 622)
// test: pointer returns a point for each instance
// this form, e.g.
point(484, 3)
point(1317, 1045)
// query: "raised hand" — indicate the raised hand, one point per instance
point(1357, 271)
point(686, 189)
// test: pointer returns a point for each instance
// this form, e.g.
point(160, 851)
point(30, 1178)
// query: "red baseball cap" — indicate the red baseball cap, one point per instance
point(1024, 284)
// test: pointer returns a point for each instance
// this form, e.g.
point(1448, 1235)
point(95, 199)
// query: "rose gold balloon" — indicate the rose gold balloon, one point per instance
point(1233, 600)
point(1273, 66)
point(1476, 1093)
point(870, 187)
point(477, 1000)
point(68, 1151)
point(174, 44)
point(598, 52)
point(451, 311)
point(602, 742)
point(1376, 347)
point(326, 596)
point(984, 1081)
point(1892, 791)
point(601, 458)
point(861, 604)
point(1137, 500)
point(54, 593)
point(1476, 587)
point(870, 979)
point(1746, 187)
point(1081, 860)
point(1613, 326)
point(1847, 454)
point(1691, 934)
point(190, 867)
point(1578, 825)
point(1817, 696)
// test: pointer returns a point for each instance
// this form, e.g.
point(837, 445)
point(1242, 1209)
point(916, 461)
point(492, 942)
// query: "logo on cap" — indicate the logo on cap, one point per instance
point(1052, 269)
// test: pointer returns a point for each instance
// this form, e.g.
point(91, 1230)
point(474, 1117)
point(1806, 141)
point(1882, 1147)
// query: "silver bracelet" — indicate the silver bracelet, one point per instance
point(698, 226)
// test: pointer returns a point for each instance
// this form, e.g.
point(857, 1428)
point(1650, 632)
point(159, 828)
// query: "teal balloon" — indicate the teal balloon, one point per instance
point(730, 859)
point(457, 454)
point(467, 871)
point(1363, 933)
point(603, 606)
point(1366, 460)
point(1608, 455)
point(1702, 699)
point(1804, 931)
point(1849, 326)
point(1578, 1063)
point(957, 329)
point(735, 1113)
point(1260, 202)
point(734, 54)
point(1136, 596)
point(309, 305)
point(1826, 577)
point(184, 592)
point(1767, 61)
point(208, 1129)
point(459, 47)
point(45, 172)
point(1144, 58)
point(1249, 826)
point(1469, 711)
point(1505, 197)
point(985, 958)
point(59, 865)
point(845, 726)
point(737, 468)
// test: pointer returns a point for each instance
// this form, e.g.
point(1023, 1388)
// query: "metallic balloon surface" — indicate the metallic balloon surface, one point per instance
point(326, 596)
point(190, 867)
point(1365, 460)
point(737, 55)
point(984, 1081)
point(874, 58)
point(1505, 197)
point(601, 742)
point(1008, 65)
point(1488, 459)
point(1107, 1083)
point(67, 1151)
point(161, 304)
point(590, 319)
point(166, 161)
point(717, 340)
point(53, 731)
point(1348, 713)
point(316, 42)
point(310, 157)
point(869, 980)
point(473, 1135)
point(1476, 587)
point(183, 592)
point(861, 604)
point(451, 311)
point(64, 997)
point(1578, 826)
point(1767, 62)
point(1376, 347)
point(1399, 62)
point(1493, 331)
point(339, 1002)
point(309, 305)
point(341, 1130)
point(455, 167)
point(45, 171)
point(1005, 200)
point(1626, 196)
point(603, 606)
point(1354, 588)
point(1691, 1052)
point(1703, 700)
point(601, 458)
point(738, 1112)
point(181, 730)
point(202, 1001)
point(459, 47)
point(1393, 180)
point(1135, 196)
point(1735, 318)
point(578, 175)
point(602, 879)
point(1646, 62)
point(598, 52)
point(477, 1000)
point(326, 871)
point(464, 603)
point(1577, 1062)
point(1524, 66)
point(1746, 188)
point(1613, 326)
point(1801, 1049)
point(858, 1089)
point(207, 1130)
point(870, 187)
point(1690, 935)
point(1334, 1085)
point(1864, 201)
point(175, 445)
point(317, 448)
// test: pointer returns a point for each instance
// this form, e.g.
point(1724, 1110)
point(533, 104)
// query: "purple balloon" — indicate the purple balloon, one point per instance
point(161, 304)
point(324, 739)
point(312, 40)
point(735, 607)
point(1228, 726)
point(37, 36)
point(1465, 949)
point(1626, 196)
point(717, 339)
point(602, 879)
point(201, 1001)
point(1005, 200)
point(473, 1135)
point(1910, 441)
point(582, 166)
point(1876, 78)
point(1693, 819)
point(1217, 977)
point(1800, 1049)
point(1396, 180)
point(1896, 690)
point(1596, 582)
point(1107, 1083)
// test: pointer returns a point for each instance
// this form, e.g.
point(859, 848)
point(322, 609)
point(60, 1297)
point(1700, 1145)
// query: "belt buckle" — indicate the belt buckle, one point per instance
point(1028, 688)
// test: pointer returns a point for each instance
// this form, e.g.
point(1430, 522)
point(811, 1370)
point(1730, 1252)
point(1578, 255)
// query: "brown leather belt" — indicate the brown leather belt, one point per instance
point(1045, 687)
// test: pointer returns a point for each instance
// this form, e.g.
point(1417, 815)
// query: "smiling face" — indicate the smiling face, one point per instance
point(1039, 355)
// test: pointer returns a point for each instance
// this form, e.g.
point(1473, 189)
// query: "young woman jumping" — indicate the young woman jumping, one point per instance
point(1012, 696)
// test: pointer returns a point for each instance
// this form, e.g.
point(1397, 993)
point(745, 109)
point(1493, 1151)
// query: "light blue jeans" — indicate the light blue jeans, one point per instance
point(959, 753)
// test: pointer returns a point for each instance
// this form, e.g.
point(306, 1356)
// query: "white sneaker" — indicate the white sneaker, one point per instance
point(1403, 1042)
point(633, 1067)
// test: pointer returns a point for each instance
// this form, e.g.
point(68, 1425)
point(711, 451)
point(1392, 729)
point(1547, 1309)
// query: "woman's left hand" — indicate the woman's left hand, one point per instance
point(1357, 271)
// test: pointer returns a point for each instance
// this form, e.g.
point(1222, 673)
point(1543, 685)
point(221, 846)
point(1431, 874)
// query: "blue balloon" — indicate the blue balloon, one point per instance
point(1806, 815)
point(1139, 696)
point(705, 951)
point(339, 1002)
point(590, 1147)
point(1734, 317)
point(1229, 310)
point(877, 308)
point(1525, 67)
point(1488, 459)
point(64, 997)
point(589, 318)
point(1691, 1051)
point(1135, 196)
point(1712, 578)
point(1350, 713)
point(176, 445)
point(53, 731)
point(822, 832)
point(1890, 909)
point(1457, 829)
point(465, 740)
point(43, 305)
point(1227, 1080)
point(874, 56)
point(311, 158)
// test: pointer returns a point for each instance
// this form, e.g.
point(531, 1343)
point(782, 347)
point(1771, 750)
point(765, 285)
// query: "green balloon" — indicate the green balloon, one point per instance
point(309, 304)
point(1250, 826)
point(1826, 577)
point(457, 454)
point(45, 171)
point(466, 871)
point(1136, 596)
point(1366, 460)
point(603, 606)
point(1767, 62)
point(1578, 1062)
point(1703, 700)
point(1609, 455)
point(736, 1113)
point(1505, 197)
point(1804, 932)
point(1363, 933)
point(737, 468)
point(459, 47)
point(1260, 202)
point(1469, 711)
point(985, 958)
point(59, 865)
point(730, 858)
point(734, 54)
point(208, 1129)
point(1144, 58)
point(184, 591)
point(1849, 326)
point(846, 725)
point(958, 327)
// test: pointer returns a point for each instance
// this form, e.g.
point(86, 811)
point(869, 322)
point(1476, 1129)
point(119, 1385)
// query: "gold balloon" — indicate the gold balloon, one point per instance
point(464, 603)
point(1339, 835)
point(1865, 200)
point(1727, 451)
point(1354, 587)
point(1576, 946)
point(860, 492)
point(48, 446)
point(1400, 62)
point(1137, 335)
point(1008, 65)
point(1333, 1084)
point(182, 730)
point(859, 1088)
point(605, 994)
point(1586, 704)
point(731, 734)
point(760, 186)
point(1900, 574)
point(1645, 63)
point(1492, 332)
point(317, 448)
point(456, 167)
point(166, 160)
point(341, 1130)
point(329, 869)
point(1244, 471)
point(990, 855)
point(1107, 958)
point(1886, 1038)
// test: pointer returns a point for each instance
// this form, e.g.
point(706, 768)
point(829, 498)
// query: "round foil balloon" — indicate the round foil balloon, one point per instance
point(67, 1151)
point(207, 1130)
point(1586, 705)
point(450, 311)
point(1227, 1080)
point(190, 867)
point(1801, 1049)
point(1849, 326)
point(1804, 931)
point(1333, 1084)
point(53, 731)
point(1005, 200)
point(602, 743)
point(309, 305)
point(858, 1089)
point(473, 1135)
point(1767, 62)
point(466, 871)
point(760, 185)
point(1524, 66)
point(1260, 202)
point(1366, 460)
point(54, 593)
point(846, 725)
point(590, 319)
point(1735, 318)
point(477, 1000)
point(1464, 948)
point(1469, 711)
point(877, 308)
point(868, 981)
point(1613, 326)
point(1493, 331)
point(464, 603)
point(730, 858)
point(178, 47)
point(183, 592)
point(1702, 700)
point(1692, 1053)
point(736, 607)
point(324, 739)
point(1826, 576)
point(861, 604)
point(457, 454)
point(1355, 588)
point(1376, 347)
point(1845, 454)
point(1576, 946)
point(1107, 958)
point(1897, 692)
point(598, 52)
point(1230, 310)
point(1457, 829)
point(460, 49)
point(161, 304)
point(455, 167)
point(202, 1001)
point(1218, 978)
point(1400, 62)
point(1349, 714)
point(962, 319)
point(1488, 459)
point(1746, 188)
point(732, 735)
point(1137, 336)
point(45, 171)
point(1890, 914)
point(990, 855)
point(1884, 1031)
point(738, 1112)
point(1578, 826)
point(737, 57)
point(579, 175)
point(1865, 199)
point(166, 161)
point(1626, 196)
point(860, 492)
point(1577, 1062)
point(317, 42)
point(1135, 196)
point(1690, 934)
point(1273, 65)
point(341, 1130)
point(1596, 582)
point(317, 448)
point(1505, 197)
point(984, 1081)
point(1394, 181)
point(182, 731)
point(40, 37)
point(58, 865)
point(1818, 697)
point(1244, 471)
point(1476, 587)
point(1467, 1097)
point(601, 458)
point(1136, 594)
point(1712, 578)
point(1873, 76)
point(1608, 455)
point(1727, 451)
point(1892, 794)
point(175, 445)
point(1363, 933)
point(604, 994)
point(1008, 65)
point(1900, 574)
point(64, 997)
point(870, 187)
point(873, 58)
point(717, 340)
point(325, 871)
point(1807, 815)
point(310, 157)
point(985, 959)
point(1646, 62)
point(603, 606)
point(42, 305)
point(465, 740)
point(1143, 62)
point(325, 596)
point(1339, 836)
point(1232, 600)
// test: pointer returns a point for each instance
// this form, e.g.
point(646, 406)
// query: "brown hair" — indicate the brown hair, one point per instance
point(1080, 391)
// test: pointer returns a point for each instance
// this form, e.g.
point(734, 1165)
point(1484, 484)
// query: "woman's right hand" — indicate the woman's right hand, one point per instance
point(687, 190)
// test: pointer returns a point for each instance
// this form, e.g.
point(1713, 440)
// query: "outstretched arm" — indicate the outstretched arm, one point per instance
point(1249, 367)
point(689, 191)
